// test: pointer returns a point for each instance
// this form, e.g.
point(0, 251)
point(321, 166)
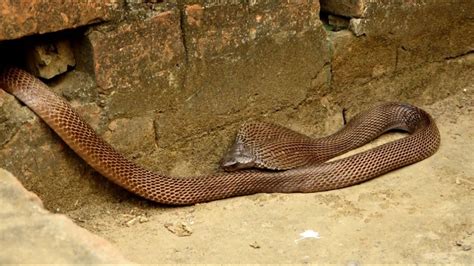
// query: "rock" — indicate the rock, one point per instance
point(352, 263)
point(395, 46)
point(412, 25)
point(419, 26)
point(42, 162)
point(255, 245)
point(48, 60)
point(257, 56)
point(179, 228)
point(140, 218)
point(30, 234)
point(131, 135)
point(356, 26)
point(144, 71)
point(244, 59)
point(22, 18)
point(353, 63)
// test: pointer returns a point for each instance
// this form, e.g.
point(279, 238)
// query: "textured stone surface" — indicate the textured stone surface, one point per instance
point(144, 71)
point(30, 234)
point(243, 60)
point(258, 57)
point(353, 63)
point(27, 17)
point(51, 59)
point(394, 37)
point(422, 85)
point(43, 163)
point(419, 28)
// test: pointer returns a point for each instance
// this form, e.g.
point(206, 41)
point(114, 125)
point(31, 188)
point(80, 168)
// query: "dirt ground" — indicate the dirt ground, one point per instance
point(423, 213)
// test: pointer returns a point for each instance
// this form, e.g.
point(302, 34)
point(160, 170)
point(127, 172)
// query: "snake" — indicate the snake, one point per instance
point(265, 157)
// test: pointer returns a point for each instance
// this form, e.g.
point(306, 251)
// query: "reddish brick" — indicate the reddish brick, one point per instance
point(138, 59)
point(26, 17)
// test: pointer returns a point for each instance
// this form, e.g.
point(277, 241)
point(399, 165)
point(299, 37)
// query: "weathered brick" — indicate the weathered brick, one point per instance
point(50, 59)
point(138, 64)
point(26, 17)
point(419, 28)
point(244, 59)
point(353, 63)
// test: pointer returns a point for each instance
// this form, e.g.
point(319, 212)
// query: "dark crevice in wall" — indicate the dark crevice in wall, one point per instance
point(344, 115)
point(13, 53)
point(183, 36)
point(330, 45)
point(397, 55)
point(332, 22)
point(459, 55)
point(18, 52)
point(182, 21)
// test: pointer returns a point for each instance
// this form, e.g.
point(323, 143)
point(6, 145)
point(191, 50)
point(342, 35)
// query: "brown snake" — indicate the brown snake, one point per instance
point(257, 145)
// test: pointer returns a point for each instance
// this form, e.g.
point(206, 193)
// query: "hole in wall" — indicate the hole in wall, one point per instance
point(49, 55)
point(333, 22)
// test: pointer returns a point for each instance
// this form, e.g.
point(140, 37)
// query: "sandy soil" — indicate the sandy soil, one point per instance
point(423, 213)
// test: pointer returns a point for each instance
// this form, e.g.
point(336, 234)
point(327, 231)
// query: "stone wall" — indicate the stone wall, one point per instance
point(169, 83)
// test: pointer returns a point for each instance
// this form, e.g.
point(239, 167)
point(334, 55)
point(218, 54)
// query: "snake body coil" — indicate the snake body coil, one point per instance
point(257, 144)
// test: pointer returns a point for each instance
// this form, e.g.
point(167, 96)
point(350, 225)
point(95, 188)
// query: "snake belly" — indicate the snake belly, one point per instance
point(257, 145)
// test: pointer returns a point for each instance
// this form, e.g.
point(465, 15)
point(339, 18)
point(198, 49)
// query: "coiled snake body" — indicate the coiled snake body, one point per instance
point(257, 145)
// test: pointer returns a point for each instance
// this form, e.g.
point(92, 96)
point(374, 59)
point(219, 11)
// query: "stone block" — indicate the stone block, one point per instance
point(419, 28)
point(384, 45)
point(244, 60)
point(134, 137)
point(155, 80)
point(138, 64)
point(48, 60)
point(30, 234)
point(354, 64)
point(24, 17)
point(421, 85)
point(31, 151)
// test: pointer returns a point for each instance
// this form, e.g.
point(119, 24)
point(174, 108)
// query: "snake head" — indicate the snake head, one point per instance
point(238, 157)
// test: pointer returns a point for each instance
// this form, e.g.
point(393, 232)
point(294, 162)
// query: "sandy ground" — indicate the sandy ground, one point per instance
point(423, 213)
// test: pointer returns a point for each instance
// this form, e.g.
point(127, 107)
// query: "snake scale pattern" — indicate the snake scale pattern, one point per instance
point(298, 162)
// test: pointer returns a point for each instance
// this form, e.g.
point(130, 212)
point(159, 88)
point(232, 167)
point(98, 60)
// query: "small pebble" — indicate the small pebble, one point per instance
point(464, 246)
point(255, 245)
point(131, 221)
point(352, 263)
point(143, 219)
point(179, 228)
